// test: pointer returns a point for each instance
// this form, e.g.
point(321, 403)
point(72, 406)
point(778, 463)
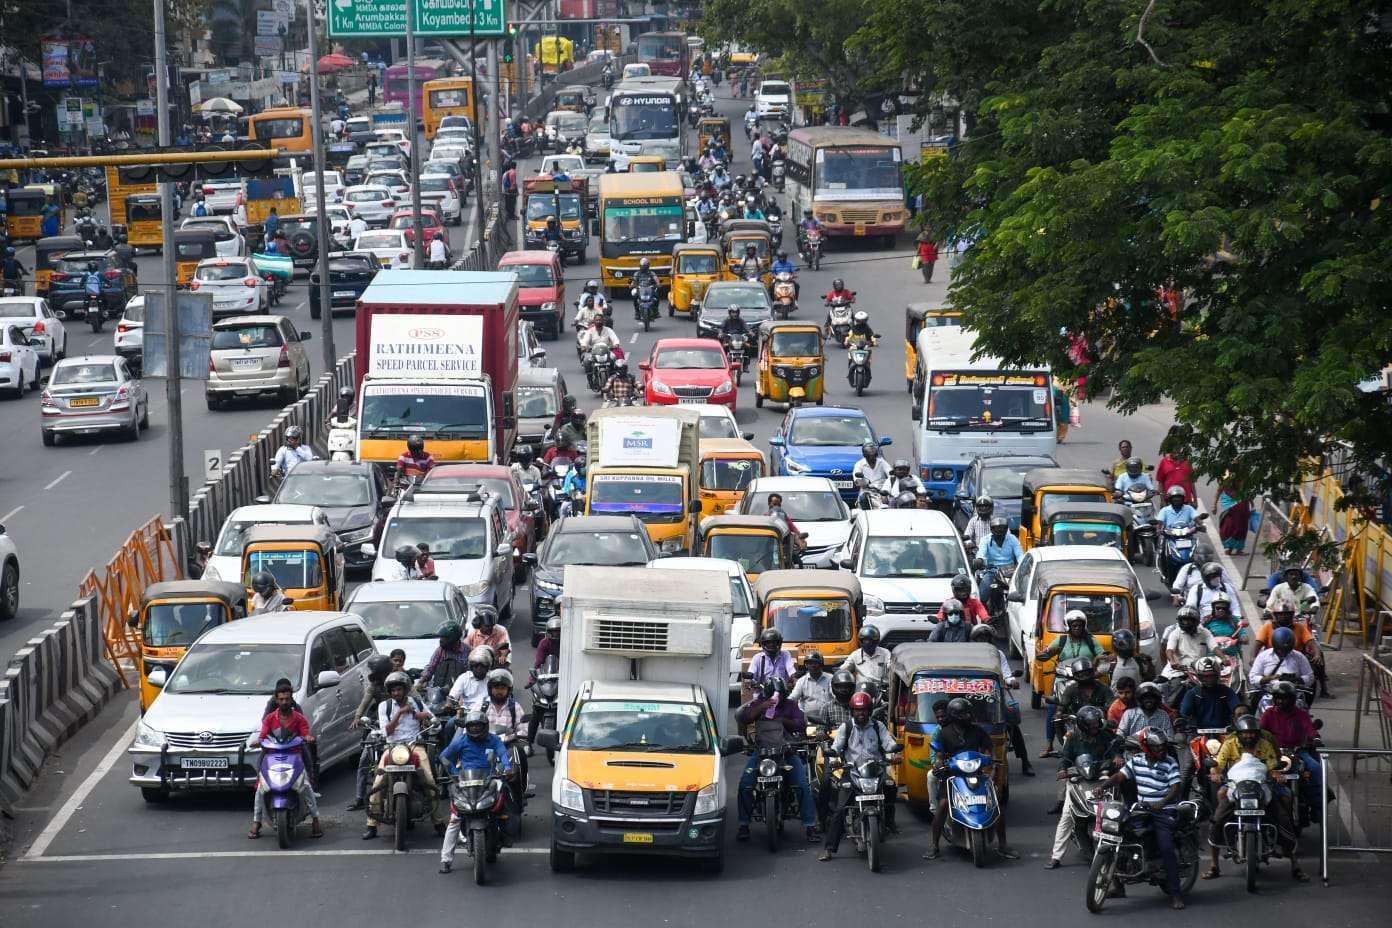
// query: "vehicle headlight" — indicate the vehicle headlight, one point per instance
point(280, 775)
point(571, 796)
point(475, 588)
point(356, 535)
point(1112, 813)
point(670, 545)
point(1213, 746)
point(147, 737)
point(968, 766)
point(1251, 803)
point(873, 605)
point(706, 801)
point(549, 306)
point(726, 386)
point(943, 473)
point(661, 388)
point(400, 755)
point(813, 371)
point(794, 467)
point(767, 767)
point(548, 586)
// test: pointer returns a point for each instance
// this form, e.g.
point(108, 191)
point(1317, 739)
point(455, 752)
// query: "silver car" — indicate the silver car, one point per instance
point(221, 195)
point(90, 394)
point(195, 734)
point(254, 356)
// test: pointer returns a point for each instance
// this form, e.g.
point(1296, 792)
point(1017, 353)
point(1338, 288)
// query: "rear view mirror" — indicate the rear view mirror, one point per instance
point(157, 677)
point(548, 738)
point(1152, 595)
point(529, 557)
point(886, 440)
point(368, 549)
point(1016, 597)
point(503, 550)
point(305, 335)
point(733, 745)
point(747, 436)
point(326, 679)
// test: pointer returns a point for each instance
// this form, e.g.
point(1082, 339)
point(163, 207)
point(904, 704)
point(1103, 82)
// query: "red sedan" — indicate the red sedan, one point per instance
point(431, 225)
point(688, 370)
point(524, 521)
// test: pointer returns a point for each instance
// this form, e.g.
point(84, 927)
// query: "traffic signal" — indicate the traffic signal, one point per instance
point(507, 43)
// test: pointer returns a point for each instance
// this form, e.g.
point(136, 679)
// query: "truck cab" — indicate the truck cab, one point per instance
point(644, 462)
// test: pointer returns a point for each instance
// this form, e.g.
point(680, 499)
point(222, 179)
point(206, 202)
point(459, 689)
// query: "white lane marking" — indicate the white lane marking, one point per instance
point(94, 451)
point(80, 795)
point(57, 480)
point(13, 512)
point(217, 855)
point(300, 305)
point(634, 339)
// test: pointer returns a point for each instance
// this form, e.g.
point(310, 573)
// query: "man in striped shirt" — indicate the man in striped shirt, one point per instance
point(1158, 785)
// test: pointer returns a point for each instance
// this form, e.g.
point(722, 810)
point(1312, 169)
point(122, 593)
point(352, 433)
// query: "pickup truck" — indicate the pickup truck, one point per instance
point(584, 178)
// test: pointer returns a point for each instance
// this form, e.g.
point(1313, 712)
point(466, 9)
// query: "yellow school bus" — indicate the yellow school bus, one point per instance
point(447, 96)
point(640, 216)
point(143, 228)
point(288, 128)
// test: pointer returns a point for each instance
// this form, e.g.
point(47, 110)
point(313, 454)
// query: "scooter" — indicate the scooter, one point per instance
point(1177, 548)
point(1138, 500)
point(858, 364)
point(971, 802)
point(342, 441)
point(784, 295)
point(479, 802)
point(838, 320)
point(92, 311)
point(645, 300)
point(283, 771)
point(774, 216)
point(1083, 777)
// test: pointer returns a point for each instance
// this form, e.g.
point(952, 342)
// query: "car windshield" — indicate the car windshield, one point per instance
point(755, 553)
point(236, 669)
point(533, 275)
point(655, 498)
point(135, 311)
point(67, 374)
point(1006, 481)
point(536, 402)
point(730, 473)
point(772, 89)
point(985, 401)
point(723, 298)
point(255, 335)
point(375, 240)
point(907, 556)
point(645, 727)
point(410, 619)
point(570, 205)
point(719, 427)
point(350, 266)
point(810, 619)
point(1105, 612)
point(541, 206)
point(796, 345)
point(498, 486)
point(325, 489)
point(387, 180)
point(601, 549)
point(442, 167)
point(406, 221)
point(1086, 533)
point(801, 505)
point(170, 625)
point(455, 413)
point(215, 226)
point(221, 272)
point(450, 538)
point(706, 359)
point(830, 431)
point(293, 570)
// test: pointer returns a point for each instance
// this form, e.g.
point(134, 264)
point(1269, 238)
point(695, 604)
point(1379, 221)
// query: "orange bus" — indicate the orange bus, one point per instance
point(447, 96)
point(286, 127)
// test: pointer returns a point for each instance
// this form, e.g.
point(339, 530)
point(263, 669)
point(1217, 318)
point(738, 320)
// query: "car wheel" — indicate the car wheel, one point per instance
point(49, 438)
point(145, 416)
point(214, 403)
point(9, 591)
point(133, 430)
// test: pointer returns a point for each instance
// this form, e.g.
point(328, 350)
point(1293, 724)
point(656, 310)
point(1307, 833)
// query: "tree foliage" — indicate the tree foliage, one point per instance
point(1245, 166)
point(123, 30)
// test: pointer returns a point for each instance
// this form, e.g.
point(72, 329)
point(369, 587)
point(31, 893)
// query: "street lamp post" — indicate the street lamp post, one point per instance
point(321, 220)
point(411, 106)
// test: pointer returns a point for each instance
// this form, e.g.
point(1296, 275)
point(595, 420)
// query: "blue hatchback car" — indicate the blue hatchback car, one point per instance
point(822, 441)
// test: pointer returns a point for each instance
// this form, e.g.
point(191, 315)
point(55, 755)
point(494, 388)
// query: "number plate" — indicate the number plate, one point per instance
point(344, 293)
point(770, 779)
point(976, 801)
point(637, 837)
point(1242, 812)
point(869, 797)
point(204, 763)
point(84, 401)
point(690, 401)
point(224, 304)
point(246, 364)
point(398, 768)
point(844, 484)
point(1184, 543)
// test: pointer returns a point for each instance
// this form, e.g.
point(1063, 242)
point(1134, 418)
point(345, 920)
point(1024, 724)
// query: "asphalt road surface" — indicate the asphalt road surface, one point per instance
point(89, 846)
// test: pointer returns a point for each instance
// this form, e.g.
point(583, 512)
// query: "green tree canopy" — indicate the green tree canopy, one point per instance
point(122, 30)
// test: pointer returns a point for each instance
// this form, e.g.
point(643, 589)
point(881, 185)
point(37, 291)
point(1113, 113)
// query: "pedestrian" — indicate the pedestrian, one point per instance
point(1234, 518)
point(510, 190)
point(927, 255)
point(372, 89)
point(1174, 470)
point(1062, 405)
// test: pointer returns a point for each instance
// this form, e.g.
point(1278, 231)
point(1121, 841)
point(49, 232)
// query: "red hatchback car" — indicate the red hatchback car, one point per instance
point(688, 370)
point(431, 225)
point(525, 520)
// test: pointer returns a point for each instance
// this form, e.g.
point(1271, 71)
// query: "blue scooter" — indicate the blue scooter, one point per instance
point(1177, 548)
point(283, 772)
point(972, 806)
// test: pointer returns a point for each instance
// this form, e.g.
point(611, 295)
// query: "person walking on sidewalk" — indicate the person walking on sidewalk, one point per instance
point(372, 89)
point(510, 190)
point(927, 255)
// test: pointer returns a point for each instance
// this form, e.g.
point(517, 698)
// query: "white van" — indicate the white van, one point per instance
point(774, 98)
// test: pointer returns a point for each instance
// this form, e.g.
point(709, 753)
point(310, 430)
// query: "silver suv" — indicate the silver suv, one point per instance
point(256, 355)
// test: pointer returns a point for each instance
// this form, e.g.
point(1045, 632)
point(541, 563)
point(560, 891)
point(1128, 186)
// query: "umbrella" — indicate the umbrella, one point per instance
point(334, 62)
point(220, 105)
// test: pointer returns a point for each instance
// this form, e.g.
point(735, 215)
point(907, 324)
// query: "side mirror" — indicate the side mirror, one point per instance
point(157, 677)
point(133, 620)
point(733, 745)
point(847, 563)
point(387, 502)
point(548, 738)
point(305, 335)
point(1016, 597)
point(643, 365)
point(529, 557)
point(326, 679)
point(369, 549)
point(978, 564)
point(776, 441)
point(503, 550)
point(747, 436)
point(694, 506)
point(885, 440)
point(594, 227)
point(263, 500)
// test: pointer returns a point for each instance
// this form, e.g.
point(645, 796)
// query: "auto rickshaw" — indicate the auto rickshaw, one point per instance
point(575, 99)
point(1069, 523)
point(646, 164)
point(47, 251)
point(816, 610)
point(728, 466)
point(190, 247)
point(1046, 483)
point(791, 366)
point(916, 317)
point(694, 267)
point(306, 561)
point(711, 128)
point(1106, 591)
point(920, 674)
point(736, 235)
point(26, 207)
point(143, 226)
point(173, 614)
point(758, 543)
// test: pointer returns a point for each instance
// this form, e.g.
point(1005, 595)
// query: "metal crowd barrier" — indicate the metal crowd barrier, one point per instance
point(1325, 846)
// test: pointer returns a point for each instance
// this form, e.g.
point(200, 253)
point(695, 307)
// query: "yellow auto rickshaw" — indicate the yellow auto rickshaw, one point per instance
point(27, 206)
point(694, 267)
point(1056, 483)
point(816, 610)
point(709, 129)
point(143, 227)
point(574, 99)
point(920, 675)
point(173, 614)
point(1066, 522)
point(190, 247)
point(918, 316)
point(646, 164)
point(306, 561)
point(47, 252)
point(736, 236)
point(758, 543)
point(791, 366)
point(728, 466)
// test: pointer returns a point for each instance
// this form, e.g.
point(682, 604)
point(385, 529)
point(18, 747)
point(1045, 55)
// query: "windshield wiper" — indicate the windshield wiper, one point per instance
point(215, 692)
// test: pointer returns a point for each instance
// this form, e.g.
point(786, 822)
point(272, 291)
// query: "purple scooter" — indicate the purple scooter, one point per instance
point(283, 772)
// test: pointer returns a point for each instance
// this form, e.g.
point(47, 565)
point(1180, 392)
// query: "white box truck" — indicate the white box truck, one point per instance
point(643, 688)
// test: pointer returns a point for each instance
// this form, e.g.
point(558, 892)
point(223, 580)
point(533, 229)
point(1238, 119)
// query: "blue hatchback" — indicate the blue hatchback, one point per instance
point(822, 441)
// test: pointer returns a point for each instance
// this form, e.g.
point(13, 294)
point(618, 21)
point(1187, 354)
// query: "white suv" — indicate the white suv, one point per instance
point(9, 577)
point(774, 98)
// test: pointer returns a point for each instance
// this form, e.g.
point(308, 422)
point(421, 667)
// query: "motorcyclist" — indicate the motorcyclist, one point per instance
point(592, 302)
point(292, 453)
point(859, 739)
point(400, 717)
point(474, 748)
point(525, 468)
point(12, 271)
point(200, 207)
point(720, 177)
point(772, 661)
point(621, 388)
point(643, 277)
point(1085, 689)
point(1281, 659)
point(1078, 643)
point(751, 118)
point(598, 332)
point(1214, 582)
point(1305, 641)
point(813, 687)
point(807, 224)
point(1211, 703)
point(1150, 712)
point(838, 291)
point(902, 479)
point(954, 627)
point(505, 712)
point(873, 468)
point(449, 659)
point(869, 662)
point(266, 595)
point(1186, 641)
point(978, 527)
point(959, 733)
point(750, 267)
point(733, 324)
point(124, 253)
point(378, 667)
point(552, 231)
point(973, 609)
point(407, 558)
point(861, 330)
point(1295, 732)
point(1134, 477)
point(415, 461)
point(1130, 662)
point(91, 283)
point(1292, 592)
point(284, 723)
point(563, 450)
point(1090, 739)
point(751, 208)
point(487, 633)
point(783, 265)
point(1002, 548)
point(342, 417)
point(1158, 786)
point(1178, 513)
point(774, 716)
point(572, 422)
point(1247, 741)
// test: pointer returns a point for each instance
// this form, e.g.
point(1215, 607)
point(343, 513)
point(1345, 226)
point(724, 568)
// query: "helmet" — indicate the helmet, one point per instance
point(869, 447)
point(961, 586)
point(869, 633)
point(1174, 491)
point(771, 636)
point(263, 582)
point(1082, 669)
point(591, 286)
point(553, 627)
point(1281, 688)
point(838, 284)
point(861, 317)
point(952, 606)
point(405, 554)
point(397, 678)
point(1152, 739)
point(982, 632)
point(733, 312)
point(481, 655)
point(1090, 719)
point(1208, 666)
point(1187, 613)
point(485, 616)
point(782, 256)
point(902, 463)
point(525, 454)
point(749, 198)
point(550, 220)
point(1074, 615)
point(1211, 571)
point(860, 701)
point(750, 250)
point(476, 724)
point(1123, 642)
point(568, 402)
point(9, 251)
point(378, 666)
point(91, 265)
point(959, 710)
point(621, 364)
point(842, 683)
point(296, 432)
point(644, 264)
point(1247, 723)
point(985, 505)
point(1148, 689)
point(416, 445)
point(813, 657)
point(450, 633)
point(499, 676)
point(1000, 525)
point(1134, 467)
point(1282, 636)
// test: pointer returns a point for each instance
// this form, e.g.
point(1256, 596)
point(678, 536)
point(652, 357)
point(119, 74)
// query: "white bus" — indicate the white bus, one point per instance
point(964, 408)
point(645, 118)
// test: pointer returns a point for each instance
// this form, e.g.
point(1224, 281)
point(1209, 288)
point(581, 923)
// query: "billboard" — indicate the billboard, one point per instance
point(69, 62)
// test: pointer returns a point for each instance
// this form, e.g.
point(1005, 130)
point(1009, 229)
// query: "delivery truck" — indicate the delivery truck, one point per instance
point(437, 357)
point(643, 687)
point(643, 460)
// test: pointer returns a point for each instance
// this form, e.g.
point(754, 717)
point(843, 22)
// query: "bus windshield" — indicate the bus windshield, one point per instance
point(290, 127)
point(862, 172)
point(643, 223)
point(990, 400)
point(637, 117)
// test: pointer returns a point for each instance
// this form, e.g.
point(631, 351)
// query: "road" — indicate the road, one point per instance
point(101, 849)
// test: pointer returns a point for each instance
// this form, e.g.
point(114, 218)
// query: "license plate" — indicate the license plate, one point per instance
point(1184, 543)
point(637, 837)
point(398, 768)
point(975, 801)
point(344, 293)
point(246, 364)
point(85, 401)
point(844, 484)
point(690, 401)
point(204, 763)
point(1241, 812)
point(860, 230)
point(869, 797)
point(770, 779)
point(223, 304)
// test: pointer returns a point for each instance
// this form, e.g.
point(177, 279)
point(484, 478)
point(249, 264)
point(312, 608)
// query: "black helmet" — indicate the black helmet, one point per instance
point(782, 256)
point(771, 636)
point(378, 666)
point(959, 710)
point(499, 677)
point(92, 266)
point(1148, 689)
point(842, 684)
point(813, 657)
point(1134, 467)
point(1123, 642)
point(485, 616)
point(416, 445)
point(525, 454)
point(450, 634)
point(869, 633)
point(345, 393)
point(476, 724)
point(406, 554)
point(1247, 723)
point(264, 582)
point(1090, 719)
point(838, 284)
point(1211, 570)
point(1083, 671)
point(961, 586)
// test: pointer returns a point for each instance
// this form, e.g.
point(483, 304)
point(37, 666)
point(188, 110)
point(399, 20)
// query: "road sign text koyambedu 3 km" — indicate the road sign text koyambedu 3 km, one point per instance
point(379, 18)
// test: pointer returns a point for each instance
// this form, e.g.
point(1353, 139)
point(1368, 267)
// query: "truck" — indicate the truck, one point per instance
point(437, 357)
point(282, 193)
point(390, 116)
point(644, 460)
point(584, 177)
point(643, 684)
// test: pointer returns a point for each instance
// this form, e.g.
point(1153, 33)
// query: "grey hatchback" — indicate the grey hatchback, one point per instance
point(750, 296)
point(256, 355)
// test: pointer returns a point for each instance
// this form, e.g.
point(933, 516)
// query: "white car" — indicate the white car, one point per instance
point(333, 186)
point(407, 614)
point(905, 559)
point(128, 341)
point(225, 563)
point(773, 98)
point(230, 243)
point(636, 70)
point(388, 246)
point(394, 181)
point(221, 195)
point(1030, 584)
point(439, 189)
point(816, 508)
point(381, 150)
point(339, 217)
point(19, 361)
point(373, 202)
point(235, 283)
point(40, 324)
point(741, 602)
point(9, 577)
point(719, 422)
point(451, 152)
point(461, 136)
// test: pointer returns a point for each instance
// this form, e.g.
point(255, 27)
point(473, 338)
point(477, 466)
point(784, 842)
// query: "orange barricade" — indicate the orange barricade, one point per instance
point(146, 557)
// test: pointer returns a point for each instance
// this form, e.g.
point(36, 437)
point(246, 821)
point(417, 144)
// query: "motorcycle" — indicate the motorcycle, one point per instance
point(555, 248)
point(865, 814)
point(784, 295)
point(1083, 777)
point(1138, 500)
point(1248, 839)
point(858, 364)
point(599, 365)
point(92, 311)
point(775, 798)
point(405, 799)
point(737, 349)
point(1126, 852)
point(994, 584)
point(342, 441)
point(972, 804)
point(1177, 548)
point(812, 249)
point(283, 771)
point(645, 308)
point(750, 121)
point(608, 78)
point(546, 687)
point(774, 216)
point(838, 320)
point(780, 171)
point(479, 802)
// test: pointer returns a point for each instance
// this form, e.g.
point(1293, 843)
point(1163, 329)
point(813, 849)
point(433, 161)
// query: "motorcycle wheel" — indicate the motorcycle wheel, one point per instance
point(282, 823)
point(978, 849)
point(478, 846)
point(773, 821)
point(97, 323)
point(873, 838)
point(739, 375)
point(1251, 849)
point(1100, 878)
point(860, 386)
point(647, 323)
point(401, 810)
point(1147, 552)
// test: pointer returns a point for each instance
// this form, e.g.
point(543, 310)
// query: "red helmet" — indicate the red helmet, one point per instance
point(860, 701)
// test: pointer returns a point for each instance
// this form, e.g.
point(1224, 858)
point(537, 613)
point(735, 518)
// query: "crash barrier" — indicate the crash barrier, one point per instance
point(1375, 699)
point(591, 72)
point(147, 556)
point(1364, 830)
point(1367, 578)
point(486, 252)
point(56, 683)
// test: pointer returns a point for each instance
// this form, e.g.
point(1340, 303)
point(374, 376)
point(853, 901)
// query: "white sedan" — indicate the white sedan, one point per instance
point(439, 189)
point(373, 202)
point(388, 246)
point(394, 181)
point(333, 186)
point(19, 361)
point(235, 283)
point(40, 324)
point(339, 217)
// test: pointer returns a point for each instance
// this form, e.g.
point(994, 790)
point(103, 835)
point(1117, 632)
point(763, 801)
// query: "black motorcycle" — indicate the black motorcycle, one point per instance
point(865, 812)
point(993, 594)
point(545, 689)
point(645, 304)
point(737, 348)
point(775, 798)
point(479, 801)
point(1126, 851)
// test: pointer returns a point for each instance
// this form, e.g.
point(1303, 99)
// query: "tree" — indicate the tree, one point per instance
point(122, 30)
point(1195, 190)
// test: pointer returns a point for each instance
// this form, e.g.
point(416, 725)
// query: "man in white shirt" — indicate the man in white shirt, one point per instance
point(813, 689)
point(869, 662)
point(1291, 594)
point(400, 716)
point(872, 466)
point(356, 227)
point(1187, 641)
point(598, 332)
point(1214, 581)
point(291, 453)
point(439, 253)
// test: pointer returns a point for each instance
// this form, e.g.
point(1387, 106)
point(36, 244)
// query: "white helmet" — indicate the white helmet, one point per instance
point(861, 317)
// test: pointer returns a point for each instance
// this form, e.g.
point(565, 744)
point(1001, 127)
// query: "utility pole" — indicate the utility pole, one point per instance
point(481, 115)
point(173, 382)
point(321, 219)
point(411, 107)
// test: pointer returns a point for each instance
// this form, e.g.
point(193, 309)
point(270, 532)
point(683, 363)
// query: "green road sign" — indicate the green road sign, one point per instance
point(387, 18)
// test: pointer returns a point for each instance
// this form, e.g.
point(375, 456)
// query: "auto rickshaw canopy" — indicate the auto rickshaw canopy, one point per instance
point(287, 538)
point(817, 582)
point(959, 667)
point(229, 593)
point(1093, 586)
